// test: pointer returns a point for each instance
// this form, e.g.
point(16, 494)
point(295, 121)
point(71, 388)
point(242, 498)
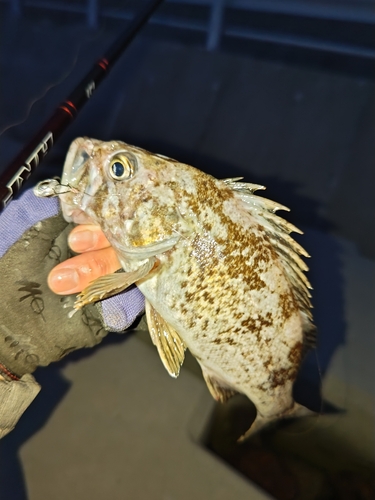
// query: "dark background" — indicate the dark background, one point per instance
point(281, 93)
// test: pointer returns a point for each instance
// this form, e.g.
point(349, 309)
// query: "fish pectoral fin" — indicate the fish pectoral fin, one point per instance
point(111, 284)
point(169, 344)
point(218, 391)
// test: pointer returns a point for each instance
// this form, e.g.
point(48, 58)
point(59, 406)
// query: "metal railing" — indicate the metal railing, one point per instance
point(215, 25)
point(92, 11)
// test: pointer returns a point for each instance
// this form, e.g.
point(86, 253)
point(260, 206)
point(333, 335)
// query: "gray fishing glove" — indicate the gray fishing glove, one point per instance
point(37, 326)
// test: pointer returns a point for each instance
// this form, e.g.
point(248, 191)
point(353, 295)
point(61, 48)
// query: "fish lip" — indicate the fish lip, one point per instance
point(81, 148)
point(78, 154)
point(74, 214)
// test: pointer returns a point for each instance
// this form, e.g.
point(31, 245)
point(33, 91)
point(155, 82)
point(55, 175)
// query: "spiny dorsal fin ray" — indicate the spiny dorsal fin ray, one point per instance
point(258, 203)
point(281, 224)
point(289, 251)
point(242, 186)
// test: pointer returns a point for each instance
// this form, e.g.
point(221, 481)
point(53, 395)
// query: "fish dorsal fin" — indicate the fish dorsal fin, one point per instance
point(111, 284)
point(170, 346)
point(278, 231)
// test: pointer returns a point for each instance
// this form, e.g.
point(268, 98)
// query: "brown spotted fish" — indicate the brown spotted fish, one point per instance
point(219, 270)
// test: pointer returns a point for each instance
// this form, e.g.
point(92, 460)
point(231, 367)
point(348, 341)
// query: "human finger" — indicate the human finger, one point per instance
point(73, 275)
point(87, 237)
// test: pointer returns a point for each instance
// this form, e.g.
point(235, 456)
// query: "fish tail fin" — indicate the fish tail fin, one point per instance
point(261, 421)
point(299, 411)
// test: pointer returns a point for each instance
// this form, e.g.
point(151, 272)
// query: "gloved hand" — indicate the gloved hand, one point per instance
point(37, 326)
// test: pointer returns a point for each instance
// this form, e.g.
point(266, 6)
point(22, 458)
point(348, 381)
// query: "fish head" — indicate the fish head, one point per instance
point(128, 191)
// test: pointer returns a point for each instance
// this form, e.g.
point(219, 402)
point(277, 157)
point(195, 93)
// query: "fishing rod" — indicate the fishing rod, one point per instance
point(20, 169)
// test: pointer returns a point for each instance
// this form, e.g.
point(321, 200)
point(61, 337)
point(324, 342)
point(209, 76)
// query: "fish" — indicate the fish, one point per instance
point(220, 273)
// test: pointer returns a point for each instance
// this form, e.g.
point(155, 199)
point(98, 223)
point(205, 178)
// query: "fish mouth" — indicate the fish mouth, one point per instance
point(75, 199)
point(71, 203)
point(79, 152)
point(74, 214)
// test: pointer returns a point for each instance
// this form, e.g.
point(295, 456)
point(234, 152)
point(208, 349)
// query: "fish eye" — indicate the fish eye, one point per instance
point(121, 168)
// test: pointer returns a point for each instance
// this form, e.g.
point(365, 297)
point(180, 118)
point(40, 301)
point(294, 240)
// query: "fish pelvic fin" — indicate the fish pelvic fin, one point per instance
point(218, 391)
point(170, 346)
point(111, 284)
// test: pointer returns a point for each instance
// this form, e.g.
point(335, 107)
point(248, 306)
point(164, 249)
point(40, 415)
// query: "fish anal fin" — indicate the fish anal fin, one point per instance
point(111, 284)
point(170, 346)
point(218, 391)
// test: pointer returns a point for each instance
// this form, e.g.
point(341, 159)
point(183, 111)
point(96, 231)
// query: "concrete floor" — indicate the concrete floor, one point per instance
point(110, 422)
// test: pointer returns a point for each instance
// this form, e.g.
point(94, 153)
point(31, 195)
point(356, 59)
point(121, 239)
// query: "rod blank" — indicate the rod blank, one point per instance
point(41, 144)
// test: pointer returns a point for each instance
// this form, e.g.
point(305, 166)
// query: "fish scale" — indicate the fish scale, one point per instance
point(218, 268)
